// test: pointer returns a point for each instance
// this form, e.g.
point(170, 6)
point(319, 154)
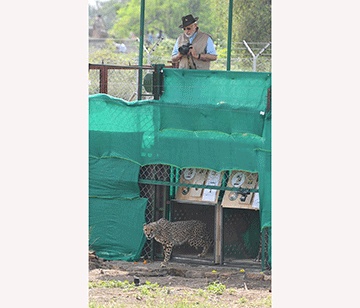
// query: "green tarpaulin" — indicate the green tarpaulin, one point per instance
point(205, 119)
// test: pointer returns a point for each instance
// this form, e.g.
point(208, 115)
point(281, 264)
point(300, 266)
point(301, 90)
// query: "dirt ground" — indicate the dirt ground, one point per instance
point(181, 284)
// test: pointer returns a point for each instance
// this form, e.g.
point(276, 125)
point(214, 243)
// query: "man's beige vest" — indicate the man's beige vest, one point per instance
point(199, 43)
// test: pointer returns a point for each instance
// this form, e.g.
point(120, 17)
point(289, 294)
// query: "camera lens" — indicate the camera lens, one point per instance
point(184, 49)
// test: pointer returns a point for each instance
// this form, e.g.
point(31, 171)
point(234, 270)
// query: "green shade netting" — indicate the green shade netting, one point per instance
point(113, 178)
point(205, 119)
point(227, 102)
point(116, 228)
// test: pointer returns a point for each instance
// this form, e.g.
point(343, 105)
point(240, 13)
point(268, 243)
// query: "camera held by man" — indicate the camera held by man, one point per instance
point(184, 49)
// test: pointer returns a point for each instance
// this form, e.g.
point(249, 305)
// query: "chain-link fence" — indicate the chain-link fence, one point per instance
point(119, 81)
point(240, 227)
point(253, 56)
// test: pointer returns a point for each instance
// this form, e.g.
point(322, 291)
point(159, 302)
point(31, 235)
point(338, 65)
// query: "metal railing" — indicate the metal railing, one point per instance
point(117, 80)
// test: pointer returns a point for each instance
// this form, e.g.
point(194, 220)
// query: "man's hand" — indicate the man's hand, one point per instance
point(176, 57)
point(193, 52)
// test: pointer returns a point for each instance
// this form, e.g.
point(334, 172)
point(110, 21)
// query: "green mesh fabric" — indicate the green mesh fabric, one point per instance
point(205, 119)
point(116, 231)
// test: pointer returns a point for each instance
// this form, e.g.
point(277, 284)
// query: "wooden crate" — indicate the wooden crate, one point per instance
point(244, 180)
point(199, 177)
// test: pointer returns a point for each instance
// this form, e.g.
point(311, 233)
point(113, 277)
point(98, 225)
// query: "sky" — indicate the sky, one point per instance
point(93, 2)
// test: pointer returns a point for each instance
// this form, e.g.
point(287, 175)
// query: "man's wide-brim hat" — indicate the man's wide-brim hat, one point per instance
point(187, 20)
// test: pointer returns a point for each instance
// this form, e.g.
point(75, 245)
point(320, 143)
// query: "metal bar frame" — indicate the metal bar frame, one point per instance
point(120, 67)
point(141, 47)
point(218, 235)
point(228, 61)
point(263, 249)
point(163, 183)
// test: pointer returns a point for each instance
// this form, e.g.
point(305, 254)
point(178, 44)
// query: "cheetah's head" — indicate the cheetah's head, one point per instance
point(149, 231)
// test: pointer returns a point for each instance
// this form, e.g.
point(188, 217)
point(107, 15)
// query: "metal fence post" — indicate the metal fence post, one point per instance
point(218, 235)
point(103, 80)
point(228, 63)
point(141, 43)
point(158, 80)
point(253, 55)
point(263, 249)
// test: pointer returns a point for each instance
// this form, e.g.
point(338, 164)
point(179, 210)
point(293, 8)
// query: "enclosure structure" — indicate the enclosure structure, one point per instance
point(200, 151)
point(231, 213)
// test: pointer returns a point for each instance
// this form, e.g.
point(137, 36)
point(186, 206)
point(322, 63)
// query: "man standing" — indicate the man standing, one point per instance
point(197, 48)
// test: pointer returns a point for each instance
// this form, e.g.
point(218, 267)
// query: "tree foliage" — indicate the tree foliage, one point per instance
point(251, 18)
point(252, 21)
point(166, 16)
